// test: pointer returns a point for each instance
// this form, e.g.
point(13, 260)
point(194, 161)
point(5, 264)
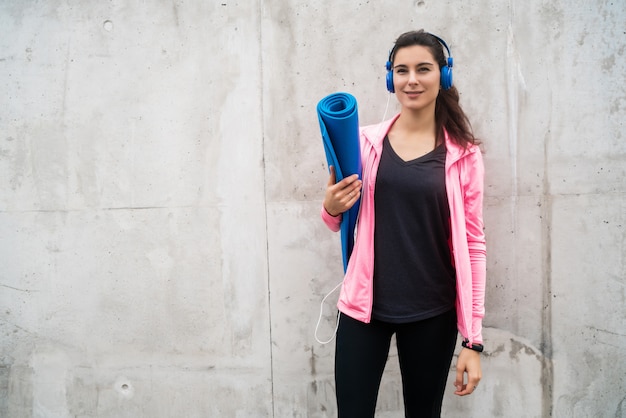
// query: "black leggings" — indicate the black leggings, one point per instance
point(425, 350)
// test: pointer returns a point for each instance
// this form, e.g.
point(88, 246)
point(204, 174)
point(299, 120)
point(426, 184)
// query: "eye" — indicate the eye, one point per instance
point(400, 70)
point(423, 69)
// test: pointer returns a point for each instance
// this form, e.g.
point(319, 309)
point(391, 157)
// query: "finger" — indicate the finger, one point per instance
point(465, 390)
point(351, 197)
point(459, 379)
point(470, 389)
point(345, 192)
point(348, 181)
point(462, 390)
point(333, 177)
point(352, 186)
point(472, 384)
point(357, 184)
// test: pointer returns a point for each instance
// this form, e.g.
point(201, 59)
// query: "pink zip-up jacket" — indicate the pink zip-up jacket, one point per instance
point(464, 185)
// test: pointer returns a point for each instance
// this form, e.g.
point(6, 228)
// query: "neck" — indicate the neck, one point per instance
point(418, 122)
point(413, 135)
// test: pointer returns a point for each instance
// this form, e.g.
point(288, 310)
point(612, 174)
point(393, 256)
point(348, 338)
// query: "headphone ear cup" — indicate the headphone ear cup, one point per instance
point(446, 77)
point(389, 78)
point(390, 87)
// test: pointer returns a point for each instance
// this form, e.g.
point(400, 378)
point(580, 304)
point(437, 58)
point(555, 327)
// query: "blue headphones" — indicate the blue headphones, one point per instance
point(446, 70)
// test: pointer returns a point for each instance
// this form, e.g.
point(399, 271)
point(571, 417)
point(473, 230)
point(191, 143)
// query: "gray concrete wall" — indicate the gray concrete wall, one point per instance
point(161, 173)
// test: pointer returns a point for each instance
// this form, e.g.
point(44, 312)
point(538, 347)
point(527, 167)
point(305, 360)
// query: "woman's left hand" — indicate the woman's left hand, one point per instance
point(468, 363)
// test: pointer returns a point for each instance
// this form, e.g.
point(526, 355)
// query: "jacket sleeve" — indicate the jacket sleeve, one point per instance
point(332, 222)
point(473, 202)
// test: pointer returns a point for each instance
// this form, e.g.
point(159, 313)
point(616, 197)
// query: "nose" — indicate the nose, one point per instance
point(412, 77)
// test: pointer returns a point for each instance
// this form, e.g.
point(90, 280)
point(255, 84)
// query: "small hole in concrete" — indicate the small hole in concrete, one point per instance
point(108, 25)
point(124, 386)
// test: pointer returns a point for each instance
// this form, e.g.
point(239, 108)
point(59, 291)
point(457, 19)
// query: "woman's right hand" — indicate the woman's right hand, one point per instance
point(343, 195)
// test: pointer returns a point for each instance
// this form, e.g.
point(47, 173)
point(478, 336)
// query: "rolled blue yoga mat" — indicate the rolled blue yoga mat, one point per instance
point(339, 123)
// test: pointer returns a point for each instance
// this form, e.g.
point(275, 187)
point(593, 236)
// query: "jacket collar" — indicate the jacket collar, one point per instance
point(375, 134)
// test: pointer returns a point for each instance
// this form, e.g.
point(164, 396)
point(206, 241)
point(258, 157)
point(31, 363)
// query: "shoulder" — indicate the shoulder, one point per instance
point(459, 152)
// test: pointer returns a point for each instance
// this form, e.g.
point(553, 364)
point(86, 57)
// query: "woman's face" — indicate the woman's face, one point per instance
point(416, 77)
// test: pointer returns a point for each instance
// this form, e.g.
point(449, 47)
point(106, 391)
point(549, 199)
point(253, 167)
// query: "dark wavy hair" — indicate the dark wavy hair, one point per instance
point(448, 112)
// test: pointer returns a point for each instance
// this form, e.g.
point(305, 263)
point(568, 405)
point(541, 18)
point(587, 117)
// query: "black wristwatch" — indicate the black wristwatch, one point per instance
point(475, 346)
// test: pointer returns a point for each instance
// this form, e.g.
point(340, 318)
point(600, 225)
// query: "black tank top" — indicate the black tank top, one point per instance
point(413, 274)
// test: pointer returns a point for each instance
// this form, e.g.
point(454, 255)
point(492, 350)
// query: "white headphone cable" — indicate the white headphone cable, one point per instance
point(384, 116)
point(319, 319)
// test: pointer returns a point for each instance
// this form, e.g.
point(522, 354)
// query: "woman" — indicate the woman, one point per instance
point(417, 269)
